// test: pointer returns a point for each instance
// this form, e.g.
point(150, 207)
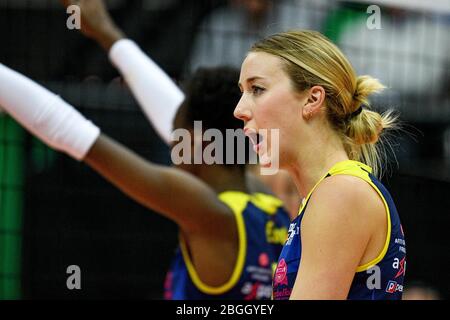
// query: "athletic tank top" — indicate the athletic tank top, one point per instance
point(381, 278)
point(262, 225)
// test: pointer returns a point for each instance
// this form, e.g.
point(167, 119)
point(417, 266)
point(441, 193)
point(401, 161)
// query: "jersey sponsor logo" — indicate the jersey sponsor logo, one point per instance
point(401, 266)
point(280, 273)
point(293, 230)
point(393, 287)
point(400, 241)
point(168, 294)
point(284, 293)
point(275, 235)
point(263, 259)
point(256, 291)
point(260, 274)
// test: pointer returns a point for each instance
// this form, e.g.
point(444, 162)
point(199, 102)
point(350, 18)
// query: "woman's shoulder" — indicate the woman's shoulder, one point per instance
point(346, 198)
point(344, 188)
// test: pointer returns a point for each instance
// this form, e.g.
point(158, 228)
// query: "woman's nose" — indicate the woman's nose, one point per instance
point(241, 112)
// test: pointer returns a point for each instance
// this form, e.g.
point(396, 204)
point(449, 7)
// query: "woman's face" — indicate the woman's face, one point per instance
point(269, 102)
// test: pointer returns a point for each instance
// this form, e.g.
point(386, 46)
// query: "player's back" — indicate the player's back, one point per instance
point(262, 225)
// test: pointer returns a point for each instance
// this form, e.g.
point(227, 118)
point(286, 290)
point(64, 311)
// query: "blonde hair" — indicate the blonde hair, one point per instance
point(312, 59)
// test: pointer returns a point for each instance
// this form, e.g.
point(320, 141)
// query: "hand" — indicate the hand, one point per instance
point(96, 23)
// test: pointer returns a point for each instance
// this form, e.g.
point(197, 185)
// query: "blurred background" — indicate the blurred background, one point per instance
point(55, 212)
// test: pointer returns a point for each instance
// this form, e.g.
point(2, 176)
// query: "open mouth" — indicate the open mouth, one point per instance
point(255, 138)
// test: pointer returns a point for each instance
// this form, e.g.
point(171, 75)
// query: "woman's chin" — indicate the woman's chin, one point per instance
point(265, 161)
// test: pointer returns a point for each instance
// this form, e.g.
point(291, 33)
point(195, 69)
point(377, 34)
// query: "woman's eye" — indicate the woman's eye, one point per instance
point(257, 90)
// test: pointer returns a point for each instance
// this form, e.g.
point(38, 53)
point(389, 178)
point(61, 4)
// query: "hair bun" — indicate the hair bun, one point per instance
point(365, 86)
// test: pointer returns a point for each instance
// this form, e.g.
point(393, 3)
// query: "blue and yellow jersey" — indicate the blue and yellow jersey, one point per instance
point(262, 227)
point(381, 278)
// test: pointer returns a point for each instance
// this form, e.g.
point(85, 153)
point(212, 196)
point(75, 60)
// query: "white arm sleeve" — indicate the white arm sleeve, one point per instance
point(45, 114)
point(158, 96)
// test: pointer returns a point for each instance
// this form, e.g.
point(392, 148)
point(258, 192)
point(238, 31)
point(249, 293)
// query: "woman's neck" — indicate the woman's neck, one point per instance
point(314, 161)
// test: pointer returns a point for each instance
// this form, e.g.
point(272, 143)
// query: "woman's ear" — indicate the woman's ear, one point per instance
point(315, 99)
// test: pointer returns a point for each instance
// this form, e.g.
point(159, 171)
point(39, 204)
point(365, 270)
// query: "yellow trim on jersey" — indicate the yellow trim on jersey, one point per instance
point(380, 257)
point(237, 201)
point(305, 200)
point(267, 203)
point(354, 168)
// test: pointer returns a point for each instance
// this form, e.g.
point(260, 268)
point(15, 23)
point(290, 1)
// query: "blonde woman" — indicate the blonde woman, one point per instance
point(347, 241)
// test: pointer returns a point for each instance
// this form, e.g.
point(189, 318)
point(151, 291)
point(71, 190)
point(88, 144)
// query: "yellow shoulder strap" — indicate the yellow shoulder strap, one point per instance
point(360, 170)
point(267, 203)
point(237, 201)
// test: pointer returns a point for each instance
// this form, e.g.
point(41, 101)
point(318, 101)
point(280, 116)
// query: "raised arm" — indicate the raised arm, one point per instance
point(177, 195)
point(158, 96)
point(96, 23)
